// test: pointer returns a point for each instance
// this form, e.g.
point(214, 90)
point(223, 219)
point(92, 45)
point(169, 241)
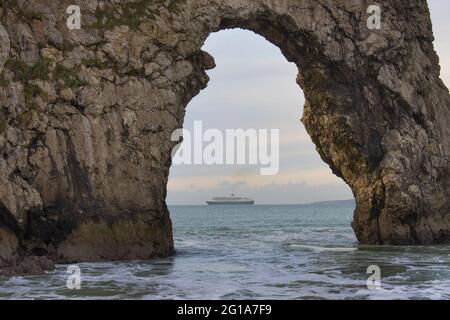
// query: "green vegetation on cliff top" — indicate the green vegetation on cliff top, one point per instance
point(45, 69)
point(132, 14)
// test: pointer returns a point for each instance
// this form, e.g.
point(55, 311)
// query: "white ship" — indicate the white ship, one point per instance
point(230, 201)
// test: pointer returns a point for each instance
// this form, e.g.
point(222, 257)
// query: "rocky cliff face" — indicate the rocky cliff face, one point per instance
point(86, 117)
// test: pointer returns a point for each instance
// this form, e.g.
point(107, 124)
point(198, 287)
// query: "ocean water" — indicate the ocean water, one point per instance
point(256, 252)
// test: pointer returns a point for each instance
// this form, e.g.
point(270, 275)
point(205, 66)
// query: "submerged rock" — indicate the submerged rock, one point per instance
point(86, 118)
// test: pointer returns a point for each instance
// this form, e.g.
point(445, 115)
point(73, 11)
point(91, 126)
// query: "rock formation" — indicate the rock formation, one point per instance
point(86, 117)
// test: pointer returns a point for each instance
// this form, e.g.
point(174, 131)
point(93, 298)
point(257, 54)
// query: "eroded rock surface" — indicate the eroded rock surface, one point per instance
point(86, 117)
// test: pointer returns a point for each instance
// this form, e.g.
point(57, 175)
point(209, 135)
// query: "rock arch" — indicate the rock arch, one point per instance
point(87, 115)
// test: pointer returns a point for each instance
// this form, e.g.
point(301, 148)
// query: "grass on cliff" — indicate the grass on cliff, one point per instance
point(19, 9)
point(93, 63)
point(3, 126)
point(3, 81)
point(24, 72)
point(132, 14)
point(129, 14)
point(31, 91)
point(69, 76)
point(45, 69)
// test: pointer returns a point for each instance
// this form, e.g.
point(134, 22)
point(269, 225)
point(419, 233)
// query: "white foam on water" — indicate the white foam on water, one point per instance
point(221, 268)
point(302, 255)
point(322, 249)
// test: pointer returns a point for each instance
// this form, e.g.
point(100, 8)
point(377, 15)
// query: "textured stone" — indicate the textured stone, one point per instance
point(4, 47)
point(87, 115)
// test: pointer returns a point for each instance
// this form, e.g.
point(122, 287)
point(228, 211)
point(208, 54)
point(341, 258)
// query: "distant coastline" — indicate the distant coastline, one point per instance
point(327, 202)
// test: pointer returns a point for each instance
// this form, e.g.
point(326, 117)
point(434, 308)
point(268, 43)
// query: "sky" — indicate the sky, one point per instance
point(254, 86)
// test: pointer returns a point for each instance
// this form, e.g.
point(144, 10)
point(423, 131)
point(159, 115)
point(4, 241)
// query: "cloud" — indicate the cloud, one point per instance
point(251, 178)
point(254, 86)
point(292, 193)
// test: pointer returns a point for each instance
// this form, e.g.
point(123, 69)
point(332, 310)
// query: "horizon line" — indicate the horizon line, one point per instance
point(268, 204)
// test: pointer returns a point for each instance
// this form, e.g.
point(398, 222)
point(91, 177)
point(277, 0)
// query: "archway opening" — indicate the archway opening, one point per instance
point(252, 87)
point(301, 210)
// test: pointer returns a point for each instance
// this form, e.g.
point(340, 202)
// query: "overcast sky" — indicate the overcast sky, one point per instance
point(253, 86)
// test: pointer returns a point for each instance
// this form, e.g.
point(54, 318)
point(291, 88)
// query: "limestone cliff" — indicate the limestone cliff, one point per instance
point(86, 117)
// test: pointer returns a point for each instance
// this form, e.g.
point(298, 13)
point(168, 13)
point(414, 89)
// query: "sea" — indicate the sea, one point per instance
point(257, 252)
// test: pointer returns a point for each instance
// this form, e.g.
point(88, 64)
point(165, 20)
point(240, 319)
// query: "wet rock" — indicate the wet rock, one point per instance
point(87, 117)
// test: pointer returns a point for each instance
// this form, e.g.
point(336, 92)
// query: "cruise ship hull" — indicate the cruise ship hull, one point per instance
point(230, 203)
